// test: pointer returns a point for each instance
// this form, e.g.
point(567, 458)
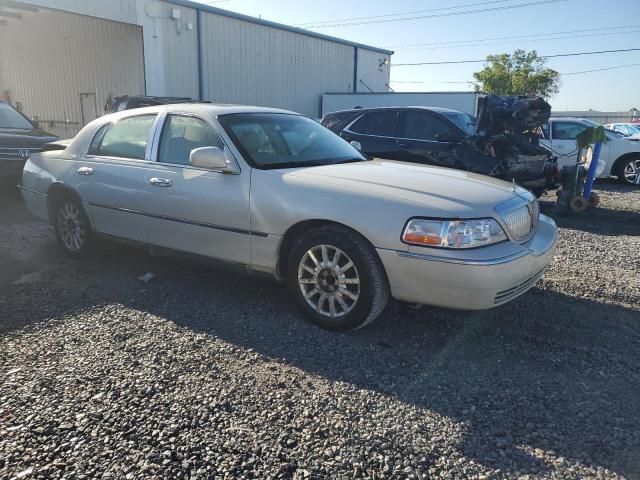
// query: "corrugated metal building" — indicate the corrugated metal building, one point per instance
point(61, 60)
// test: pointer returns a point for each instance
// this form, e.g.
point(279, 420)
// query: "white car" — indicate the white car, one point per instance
point(619, 157)
point(627, 130)
point(275, 192)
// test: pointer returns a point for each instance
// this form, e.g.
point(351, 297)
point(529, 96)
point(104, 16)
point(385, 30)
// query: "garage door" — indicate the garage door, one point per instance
point(61, 68)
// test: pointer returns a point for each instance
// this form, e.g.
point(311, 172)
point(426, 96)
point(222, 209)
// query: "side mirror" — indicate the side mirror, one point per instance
point(356, 145)
point(212, 158)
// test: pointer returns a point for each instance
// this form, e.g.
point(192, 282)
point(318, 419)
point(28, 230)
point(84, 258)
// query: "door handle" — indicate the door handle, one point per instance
point(85, 171)
point(160, 182)
point(403, 145)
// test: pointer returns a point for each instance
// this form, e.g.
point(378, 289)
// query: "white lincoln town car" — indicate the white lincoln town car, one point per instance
point(275, 192)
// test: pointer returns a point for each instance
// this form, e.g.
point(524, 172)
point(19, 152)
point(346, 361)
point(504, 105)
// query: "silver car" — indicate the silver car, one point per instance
point(275, 192)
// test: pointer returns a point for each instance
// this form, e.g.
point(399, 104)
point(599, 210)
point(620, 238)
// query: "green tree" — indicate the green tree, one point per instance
point(522, 73)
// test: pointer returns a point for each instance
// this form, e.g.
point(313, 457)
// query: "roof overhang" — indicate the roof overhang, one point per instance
point(279, 26)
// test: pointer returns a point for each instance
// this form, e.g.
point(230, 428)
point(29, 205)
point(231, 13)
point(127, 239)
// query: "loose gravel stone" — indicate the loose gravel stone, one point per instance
point(207, 374)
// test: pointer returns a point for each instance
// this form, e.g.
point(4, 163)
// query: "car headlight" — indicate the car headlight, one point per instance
point(453, 233)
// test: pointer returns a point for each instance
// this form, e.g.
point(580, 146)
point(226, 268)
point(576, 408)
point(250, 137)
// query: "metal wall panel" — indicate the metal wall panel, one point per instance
point(257, 65)
point(244, 60)
point(50, 58)
point(179, 51)
point(118, 10)
point(372, 71)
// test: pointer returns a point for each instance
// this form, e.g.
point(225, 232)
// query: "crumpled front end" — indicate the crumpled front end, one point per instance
point(507, 130)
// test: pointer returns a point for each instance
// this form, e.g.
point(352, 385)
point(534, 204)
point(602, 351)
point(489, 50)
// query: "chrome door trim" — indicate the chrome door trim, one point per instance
point(156, 130)
point(184, 221)
point(369, 136)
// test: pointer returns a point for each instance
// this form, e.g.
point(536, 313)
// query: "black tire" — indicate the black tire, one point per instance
point(373, 286)
point(72, 227)
point(621, 166)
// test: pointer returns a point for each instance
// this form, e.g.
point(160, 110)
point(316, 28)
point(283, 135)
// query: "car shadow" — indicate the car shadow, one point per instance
point(602, 221)
point(550, 371)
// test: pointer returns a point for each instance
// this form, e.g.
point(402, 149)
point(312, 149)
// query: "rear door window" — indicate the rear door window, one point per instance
point(380, 124)
point(126, 138)
point(423, 126)
point(567, 130)
point(183, 134)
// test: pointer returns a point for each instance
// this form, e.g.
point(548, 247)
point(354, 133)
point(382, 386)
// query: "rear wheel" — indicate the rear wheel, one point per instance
point(628, 171)
point(72, 227)
point(337, 279)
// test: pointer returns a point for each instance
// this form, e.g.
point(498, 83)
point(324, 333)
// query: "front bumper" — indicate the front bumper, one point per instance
point(470, 280)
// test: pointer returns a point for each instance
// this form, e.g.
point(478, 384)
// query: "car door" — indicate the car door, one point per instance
point(424, 137)
point(376, 132)
point(563, 140)
point(110, 179)
point(191, 209)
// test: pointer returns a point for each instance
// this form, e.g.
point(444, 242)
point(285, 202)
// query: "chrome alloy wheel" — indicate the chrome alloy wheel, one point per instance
point(329, 281)
point(71, 228)
point(632, 172)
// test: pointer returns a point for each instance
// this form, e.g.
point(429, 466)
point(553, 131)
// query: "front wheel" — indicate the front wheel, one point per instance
point(72, 227)
point(337, 279)
point(629, 171)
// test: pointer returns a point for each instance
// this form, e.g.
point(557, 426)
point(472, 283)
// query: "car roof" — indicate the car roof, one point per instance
point(568, 119)
point(201, 108)
point(415, 107)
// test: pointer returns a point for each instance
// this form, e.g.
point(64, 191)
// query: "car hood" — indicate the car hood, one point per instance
point(442, 191)
point(10, 137)
point(512, 114)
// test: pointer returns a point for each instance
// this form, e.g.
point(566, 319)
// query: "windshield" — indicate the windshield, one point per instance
point(11, 118)
point(275, 140)
point(463, 120)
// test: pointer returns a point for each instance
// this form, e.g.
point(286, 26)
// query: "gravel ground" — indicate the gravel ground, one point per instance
point(208, 374)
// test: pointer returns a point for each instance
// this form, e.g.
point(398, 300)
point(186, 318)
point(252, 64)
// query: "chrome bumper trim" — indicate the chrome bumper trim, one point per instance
point(509, 294)
point(463, 261)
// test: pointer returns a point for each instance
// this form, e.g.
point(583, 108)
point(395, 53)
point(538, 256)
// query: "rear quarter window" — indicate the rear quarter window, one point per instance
point(336, 122)
point(381, 124)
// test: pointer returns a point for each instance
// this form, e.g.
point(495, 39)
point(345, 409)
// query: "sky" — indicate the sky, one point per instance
point(594, 25)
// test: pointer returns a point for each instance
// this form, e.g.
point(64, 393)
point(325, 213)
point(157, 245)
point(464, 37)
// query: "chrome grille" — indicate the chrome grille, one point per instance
point(522, 220)
point(17, 153)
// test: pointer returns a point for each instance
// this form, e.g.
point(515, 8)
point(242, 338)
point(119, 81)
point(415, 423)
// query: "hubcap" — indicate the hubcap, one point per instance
point(70, 226)
point(632, 172)
point(329, 281)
